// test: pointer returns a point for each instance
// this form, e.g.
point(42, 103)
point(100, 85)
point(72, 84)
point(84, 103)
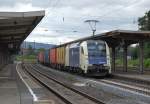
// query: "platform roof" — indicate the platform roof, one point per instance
point(131, 37)
point(116, 36)
point(16, 26)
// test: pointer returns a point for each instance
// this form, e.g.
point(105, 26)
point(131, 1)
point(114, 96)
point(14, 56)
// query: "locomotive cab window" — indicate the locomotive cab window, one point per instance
point(97, 48)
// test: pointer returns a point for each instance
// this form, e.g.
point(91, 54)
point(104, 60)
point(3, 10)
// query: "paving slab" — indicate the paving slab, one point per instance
point(12, 89)
point(9, 93)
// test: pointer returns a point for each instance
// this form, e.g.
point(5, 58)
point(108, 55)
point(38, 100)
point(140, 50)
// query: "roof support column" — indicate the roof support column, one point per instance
point(125, 47)
point(141, 46)
point(113, 58)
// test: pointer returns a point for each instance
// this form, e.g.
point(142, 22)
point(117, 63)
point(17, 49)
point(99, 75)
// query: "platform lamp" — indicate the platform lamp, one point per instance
point(92, 24)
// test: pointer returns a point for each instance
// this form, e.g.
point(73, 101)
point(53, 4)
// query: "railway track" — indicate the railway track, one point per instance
point(68, 94)
point(125, 84)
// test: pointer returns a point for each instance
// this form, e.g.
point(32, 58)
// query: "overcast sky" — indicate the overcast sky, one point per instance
point(64, 20)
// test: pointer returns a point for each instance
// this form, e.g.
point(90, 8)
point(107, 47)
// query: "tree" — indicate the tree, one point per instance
point(144, 24)
point(41, 49)
point(30, 50)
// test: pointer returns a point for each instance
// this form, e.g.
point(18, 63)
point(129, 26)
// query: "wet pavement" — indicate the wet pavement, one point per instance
point(9, 93)
point(17, 87)
point(12, 89)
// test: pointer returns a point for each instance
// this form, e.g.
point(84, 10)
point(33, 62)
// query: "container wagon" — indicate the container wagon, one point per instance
point(53, 57)
point(90, 57)
point(41, 57)
point(46, 57)
point(60, 54)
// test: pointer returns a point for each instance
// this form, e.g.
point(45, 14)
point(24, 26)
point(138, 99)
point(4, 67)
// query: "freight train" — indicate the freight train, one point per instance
point(89, 57)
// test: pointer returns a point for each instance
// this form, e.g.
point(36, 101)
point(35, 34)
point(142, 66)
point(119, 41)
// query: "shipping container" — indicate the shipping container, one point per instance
point(46, 57)
point(53, 56)
point(61, 55)
point(49, 54)
point(57, 55)
point(41, 57)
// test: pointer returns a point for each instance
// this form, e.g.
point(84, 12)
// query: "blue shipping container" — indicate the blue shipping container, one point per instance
point(46, 56)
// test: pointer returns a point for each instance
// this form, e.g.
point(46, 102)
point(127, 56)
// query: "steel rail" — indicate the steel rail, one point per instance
point(127, 85)
point(73, 89)
point(46, 86)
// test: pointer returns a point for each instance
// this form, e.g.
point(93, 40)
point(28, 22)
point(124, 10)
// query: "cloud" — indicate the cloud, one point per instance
point(20, 7)
point(41, 3)
point(64, 20)
point(11, 3)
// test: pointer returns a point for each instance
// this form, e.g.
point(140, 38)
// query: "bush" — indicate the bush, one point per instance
point(133, 63)
point(119, 62)
point(147, 63)
point(26, 58)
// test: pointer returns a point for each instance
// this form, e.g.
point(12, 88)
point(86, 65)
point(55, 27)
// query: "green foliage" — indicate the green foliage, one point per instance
point(144, 24)
point(26, 58)
point(133, 63)
point(147, 63)
point(119, 62)
point(147, 50)
point(30, 50)
point(41, 49)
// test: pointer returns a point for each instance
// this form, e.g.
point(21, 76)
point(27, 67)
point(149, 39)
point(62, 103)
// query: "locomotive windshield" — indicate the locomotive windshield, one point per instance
point(96, 48)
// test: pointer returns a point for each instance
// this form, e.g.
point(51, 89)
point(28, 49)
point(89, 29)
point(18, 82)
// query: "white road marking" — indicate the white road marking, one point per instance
point(5, 78)
point(35, 98)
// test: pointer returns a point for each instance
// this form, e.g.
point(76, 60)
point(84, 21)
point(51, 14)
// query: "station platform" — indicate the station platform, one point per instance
point(17, 87)
point(12, 89)
point(133, 76)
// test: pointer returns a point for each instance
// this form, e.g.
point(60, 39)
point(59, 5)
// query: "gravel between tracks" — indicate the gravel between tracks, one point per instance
point(68, 94)
point(106, 93)
point(44, 95)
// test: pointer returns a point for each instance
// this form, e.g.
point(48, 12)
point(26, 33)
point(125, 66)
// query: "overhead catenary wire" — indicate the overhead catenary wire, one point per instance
point(52, 7)
point(102, 17)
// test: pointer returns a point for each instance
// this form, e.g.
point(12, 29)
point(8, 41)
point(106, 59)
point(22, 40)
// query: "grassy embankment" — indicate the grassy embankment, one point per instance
point(27, 58)
point(134, 63)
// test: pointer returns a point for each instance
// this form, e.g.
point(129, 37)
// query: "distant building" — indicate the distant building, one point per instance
point(24, 51)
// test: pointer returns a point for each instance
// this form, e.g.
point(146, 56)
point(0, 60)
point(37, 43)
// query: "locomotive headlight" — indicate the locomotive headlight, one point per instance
point(105, 65)
point(90, 65)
